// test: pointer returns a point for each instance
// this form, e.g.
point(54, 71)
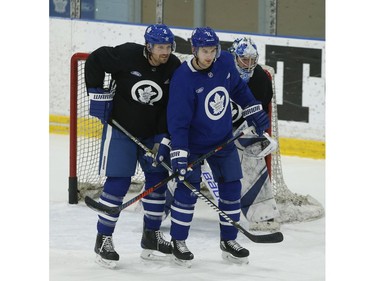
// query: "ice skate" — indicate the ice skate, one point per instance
point(233, 252)
point(106, 254)
point(155, 247)
point(181, 255)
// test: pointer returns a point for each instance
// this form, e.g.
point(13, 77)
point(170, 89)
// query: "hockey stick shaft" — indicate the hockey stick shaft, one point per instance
point(266, 238)
point(114, 210)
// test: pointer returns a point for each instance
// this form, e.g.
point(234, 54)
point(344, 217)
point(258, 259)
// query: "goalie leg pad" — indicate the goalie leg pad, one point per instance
point(262, 211)
point(270, 226)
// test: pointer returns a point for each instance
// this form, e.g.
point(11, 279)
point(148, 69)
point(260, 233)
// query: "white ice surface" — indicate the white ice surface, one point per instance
point(300, 257)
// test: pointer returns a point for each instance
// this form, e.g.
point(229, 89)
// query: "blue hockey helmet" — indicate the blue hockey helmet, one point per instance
point(159, 34)
point(246, 56)
point(205, 37)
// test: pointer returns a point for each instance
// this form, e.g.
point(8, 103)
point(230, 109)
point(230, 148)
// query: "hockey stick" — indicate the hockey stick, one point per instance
point(99, 207)
point(265, 238)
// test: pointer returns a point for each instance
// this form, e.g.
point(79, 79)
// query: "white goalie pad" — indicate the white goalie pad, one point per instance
point(257, 146)
point(255, 176)
point(261, 208)
point(262, 211)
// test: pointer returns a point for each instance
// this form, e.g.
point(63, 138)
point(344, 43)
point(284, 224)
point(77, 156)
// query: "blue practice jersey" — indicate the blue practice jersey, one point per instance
point(199, 113)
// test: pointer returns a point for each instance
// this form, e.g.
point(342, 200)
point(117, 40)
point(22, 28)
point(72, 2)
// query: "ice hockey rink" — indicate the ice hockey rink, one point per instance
point(72, 230)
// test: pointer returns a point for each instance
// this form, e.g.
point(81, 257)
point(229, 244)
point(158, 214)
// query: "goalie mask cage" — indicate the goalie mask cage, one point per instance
point(85, 139)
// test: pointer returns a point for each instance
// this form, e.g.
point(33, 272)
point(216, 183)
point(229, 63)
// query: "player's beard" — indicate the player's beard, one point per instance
point(159, 59)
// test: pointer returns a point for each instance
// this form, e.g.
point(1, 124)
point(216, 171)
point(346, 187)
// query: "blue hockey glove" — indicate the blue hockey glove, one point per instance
point(257, 117)
point(164, 149)
point(179, 163)
point(101, 103)
point(160, 151)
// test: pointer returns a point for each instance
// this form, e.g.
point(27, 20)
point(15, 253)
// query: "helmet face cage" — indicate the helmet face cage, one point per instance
point(159, 34)
point(205, 37)
point(245, 50)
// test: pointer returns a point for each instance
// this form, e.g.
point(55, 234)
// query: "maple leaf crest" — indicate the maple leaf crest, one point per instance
point(218, 104)
point(146, 94)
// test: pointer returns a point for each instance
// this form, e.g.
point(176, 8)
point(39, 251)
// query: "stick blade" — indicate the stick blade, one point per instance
point(99, 207)
point(275, 237)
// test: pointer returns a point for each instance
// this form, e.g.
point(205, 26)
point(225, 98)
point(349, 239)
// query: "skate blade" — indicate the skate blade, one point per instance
point(105, 263)
point(154, 255)
point(184, 263)
point(232, 259)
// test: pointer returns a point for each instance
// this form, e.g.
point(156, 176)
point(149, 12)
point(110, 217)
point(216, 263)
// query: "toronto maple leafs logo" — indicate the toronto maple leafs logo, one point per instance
point(216, 103)
point(146, 92)
point(241, 49)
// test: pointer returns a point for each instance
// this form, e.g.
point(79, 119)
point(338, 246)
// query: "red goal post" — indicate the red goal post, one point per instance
point(85, 138)
point(75, 68)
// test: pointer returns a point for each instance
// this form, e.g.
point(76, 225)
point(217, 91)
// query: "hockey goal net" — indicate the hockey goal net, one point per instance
point(85, 138)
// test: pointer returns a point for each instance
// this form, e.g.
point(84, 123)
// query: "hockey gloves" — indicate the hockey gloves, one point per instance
point(160, 151)
point(100, 103)
point(257, 117)
point(179, 163)
point(164, 149)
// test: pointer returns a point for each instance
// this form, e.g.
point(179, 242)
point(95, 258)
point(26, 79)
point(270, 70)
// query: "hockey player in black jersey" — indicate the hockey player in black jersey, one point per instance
point(136, 98)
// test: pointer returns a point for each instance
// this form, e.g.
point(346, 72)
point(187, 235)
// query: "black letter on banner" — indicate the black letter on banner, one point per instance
point(294, 58)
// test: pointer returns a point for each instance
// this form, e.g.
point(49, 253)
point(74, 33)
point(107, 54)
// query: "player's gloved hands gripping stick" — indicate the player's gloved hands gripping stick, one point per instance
point(179, 163)
point(160, 151)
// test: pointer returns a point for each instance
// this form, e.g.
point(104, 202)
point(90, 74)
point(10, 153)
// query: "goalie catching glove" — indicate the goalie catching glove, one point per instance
point(179, 163)
point(257, 117)
point(256, 146)
point(160, 151)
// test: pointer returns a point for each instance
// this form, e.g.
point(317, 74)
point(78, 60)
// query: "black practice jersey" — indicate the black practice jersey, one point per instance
point(261, 86)
point(142, 90)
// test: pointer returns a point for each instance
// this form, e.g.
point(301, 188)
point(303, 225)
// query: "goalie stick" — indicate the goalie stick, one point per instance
point(265, 238)
point(99, 207)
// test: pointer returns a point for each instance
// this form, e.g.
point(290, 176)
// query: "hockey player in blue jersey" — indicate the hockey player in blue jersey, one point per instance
point(199, 119)
point(137, 100)
point(258, 204)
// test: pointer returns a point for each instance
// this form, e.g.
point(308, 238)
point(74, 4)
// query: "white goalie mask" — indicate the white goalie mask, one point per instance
point(256, 146)
point(246, 56)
